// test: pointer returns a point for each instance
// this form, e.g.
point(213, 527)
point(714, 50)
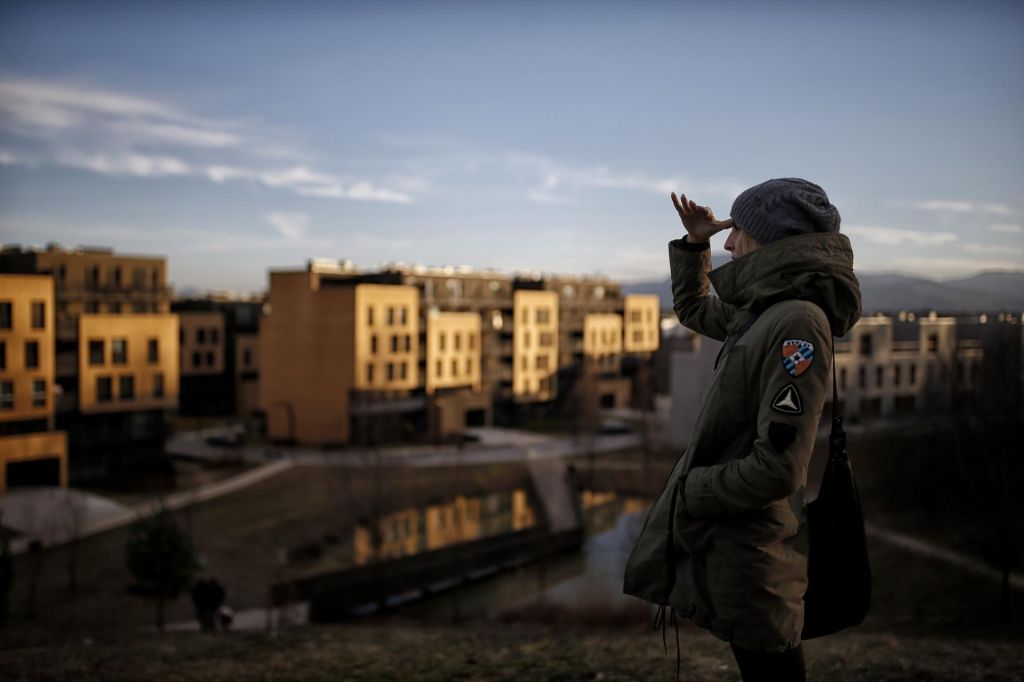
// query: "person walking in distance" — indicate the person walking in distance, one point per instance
point(725, 544)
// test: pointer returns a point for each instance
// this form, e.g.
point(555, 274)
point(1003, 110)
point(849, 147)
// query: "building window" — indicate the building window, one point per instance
point(526, 339)
point(896, 374)
point(5, 315)
point(92, 307)
point(32, 354)
point(455, 367)
point(92, 277)
point(403, 315)
point(369, 373)
point(369, 315)
point(247, 357)
point(104, 390)
point(933, 343)
point(209, 359)
point(200, 335)
point(139, 307)
point(119, 351)
point(880, 376)
point(457, 341)
point(114, 308)
point(542, 362)
point(408, 342)
point(38, 315)
point(158, 385)
point(154, 351)
point(391, 371)
point(6, 395)
point(394, 343)
point(373, 343)
point(469, 365)
point(440, 368)
point(545, 340)
point(391, 316)
point(197, 359)
point(96, 352)
point(3, 355)
point(126, 387)
point(525, 364)
point(441, 341)
point(865, 344)
point(913, 374)
point(117, 277)
point(471, 340)
point(39, 393)
point(862, 377)
point(543, 315)
point(842, 379)
point(403, 370)
point(214, 335)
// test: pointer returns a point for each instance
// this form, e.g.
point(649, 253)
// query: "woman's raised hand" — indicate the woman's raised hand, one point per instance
point(699, 221)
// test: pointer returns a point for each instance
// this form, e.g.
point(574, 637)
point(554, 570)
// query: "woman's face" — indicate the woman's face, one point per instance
point(739, 242)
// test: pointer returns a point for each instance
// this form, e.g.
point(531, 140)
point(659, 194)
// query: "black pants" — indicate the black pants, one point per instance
point(782, 666)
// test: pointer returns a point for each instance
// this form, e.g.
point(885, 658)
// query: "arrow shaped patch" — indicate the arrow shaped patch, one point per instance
point(787, 401)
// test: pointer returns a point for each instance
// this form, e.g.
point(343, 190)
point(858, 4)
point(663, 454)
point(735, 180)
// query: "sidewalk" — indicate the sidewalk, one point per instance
point(55, 516)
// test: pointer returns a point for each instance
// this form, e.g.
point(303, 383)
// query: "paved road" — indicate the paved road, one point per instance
point(496, 445)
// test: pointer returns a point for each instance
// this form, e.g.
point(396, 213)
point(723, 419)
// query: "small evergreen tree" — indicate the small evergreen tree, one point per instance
point(161, 560)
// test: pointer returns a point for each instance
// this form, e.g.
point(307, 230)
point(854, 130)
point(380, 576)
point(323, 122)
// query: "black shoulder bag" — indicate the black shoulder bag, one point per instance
point(838, 572)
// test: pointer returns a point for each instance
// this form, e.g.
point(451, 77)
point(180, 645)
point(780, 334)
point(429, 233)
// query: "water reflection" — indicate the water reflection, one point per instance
point(585, 584)
point(461, 519)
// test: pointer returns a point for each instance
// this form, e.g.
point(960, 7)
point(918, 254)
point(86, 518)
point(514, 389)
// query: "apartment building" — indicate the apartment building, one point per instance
point(471, 347)
point(218, 340)
point(115, 352)
point(890, 367)
point(32, 452)
point(886, 367)
point(335, 353)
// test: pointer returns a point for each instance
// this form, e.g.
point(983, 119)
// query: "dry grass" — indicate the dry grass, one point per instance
point(397, 650)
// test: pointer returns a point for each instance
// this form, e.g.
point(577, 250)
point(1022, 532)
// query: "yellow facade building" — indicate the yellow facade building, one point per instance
point(127, 362)
point(641, 318)
point(535, 344)
point(602, 340)
point(31, 452)
point(326, 343)
point(453, 356)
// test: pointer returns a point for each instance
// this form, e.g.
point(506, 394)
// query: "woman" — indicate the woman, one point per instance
point(725, 543)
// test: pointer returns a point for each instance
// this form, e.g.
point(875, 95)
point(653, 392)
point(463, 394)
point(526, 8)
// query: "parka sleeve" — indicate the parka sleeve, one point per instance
point(792, 386)
point(691, 300)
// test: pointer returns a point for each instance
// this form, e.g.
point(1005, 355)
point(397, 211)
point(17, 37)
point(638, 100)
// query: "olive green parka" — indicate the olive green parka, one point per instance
point(725, 543)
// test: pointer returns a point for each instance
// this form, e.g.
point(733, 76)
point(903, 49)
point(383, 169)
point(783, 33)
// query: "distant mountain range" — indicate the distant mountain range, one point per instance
point(984, 292)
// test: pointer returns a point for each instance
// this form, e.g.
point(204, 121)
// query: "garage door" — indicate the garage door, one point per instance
point(33, 473)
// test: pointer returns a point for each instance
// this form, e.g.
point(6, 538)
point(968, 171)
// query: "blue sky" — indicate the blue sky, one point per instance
point(237, 137)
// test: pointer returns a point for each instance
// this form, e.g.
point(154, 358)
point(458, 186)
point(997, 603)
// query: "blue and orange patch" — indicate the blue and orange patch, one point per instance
point(797, 356)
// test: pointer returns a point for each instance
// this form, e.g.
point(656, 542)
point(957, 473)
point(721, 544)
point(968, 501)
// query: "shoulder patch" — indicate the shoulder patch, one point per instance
point(797, 356)
point(787, 401)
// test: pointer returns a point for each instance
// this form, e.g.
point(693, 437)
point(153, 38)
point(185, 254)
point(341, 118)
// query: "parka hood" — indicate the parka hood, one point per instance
point(816, 267)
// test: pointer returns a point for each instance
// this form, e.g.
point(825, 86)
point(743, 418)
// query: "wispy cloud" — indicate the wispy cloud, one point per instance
point(291, 225)
point(1009, 228)
point(557, 182)
point(120, 134)
point(894, 236)
point(957, 206)
point(993, 248)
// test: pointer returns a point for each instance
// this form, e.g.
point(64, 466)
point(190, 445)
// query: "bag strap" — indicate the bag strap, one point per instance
point(837, 437)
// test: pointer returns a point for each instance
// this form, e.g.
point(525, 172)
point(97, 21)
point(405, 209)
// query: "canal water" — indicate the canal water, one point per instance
point(581, 585)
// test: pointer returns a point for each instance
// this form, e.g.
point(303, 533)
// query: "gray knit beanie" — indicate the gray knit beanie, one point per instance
point(784, 207)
